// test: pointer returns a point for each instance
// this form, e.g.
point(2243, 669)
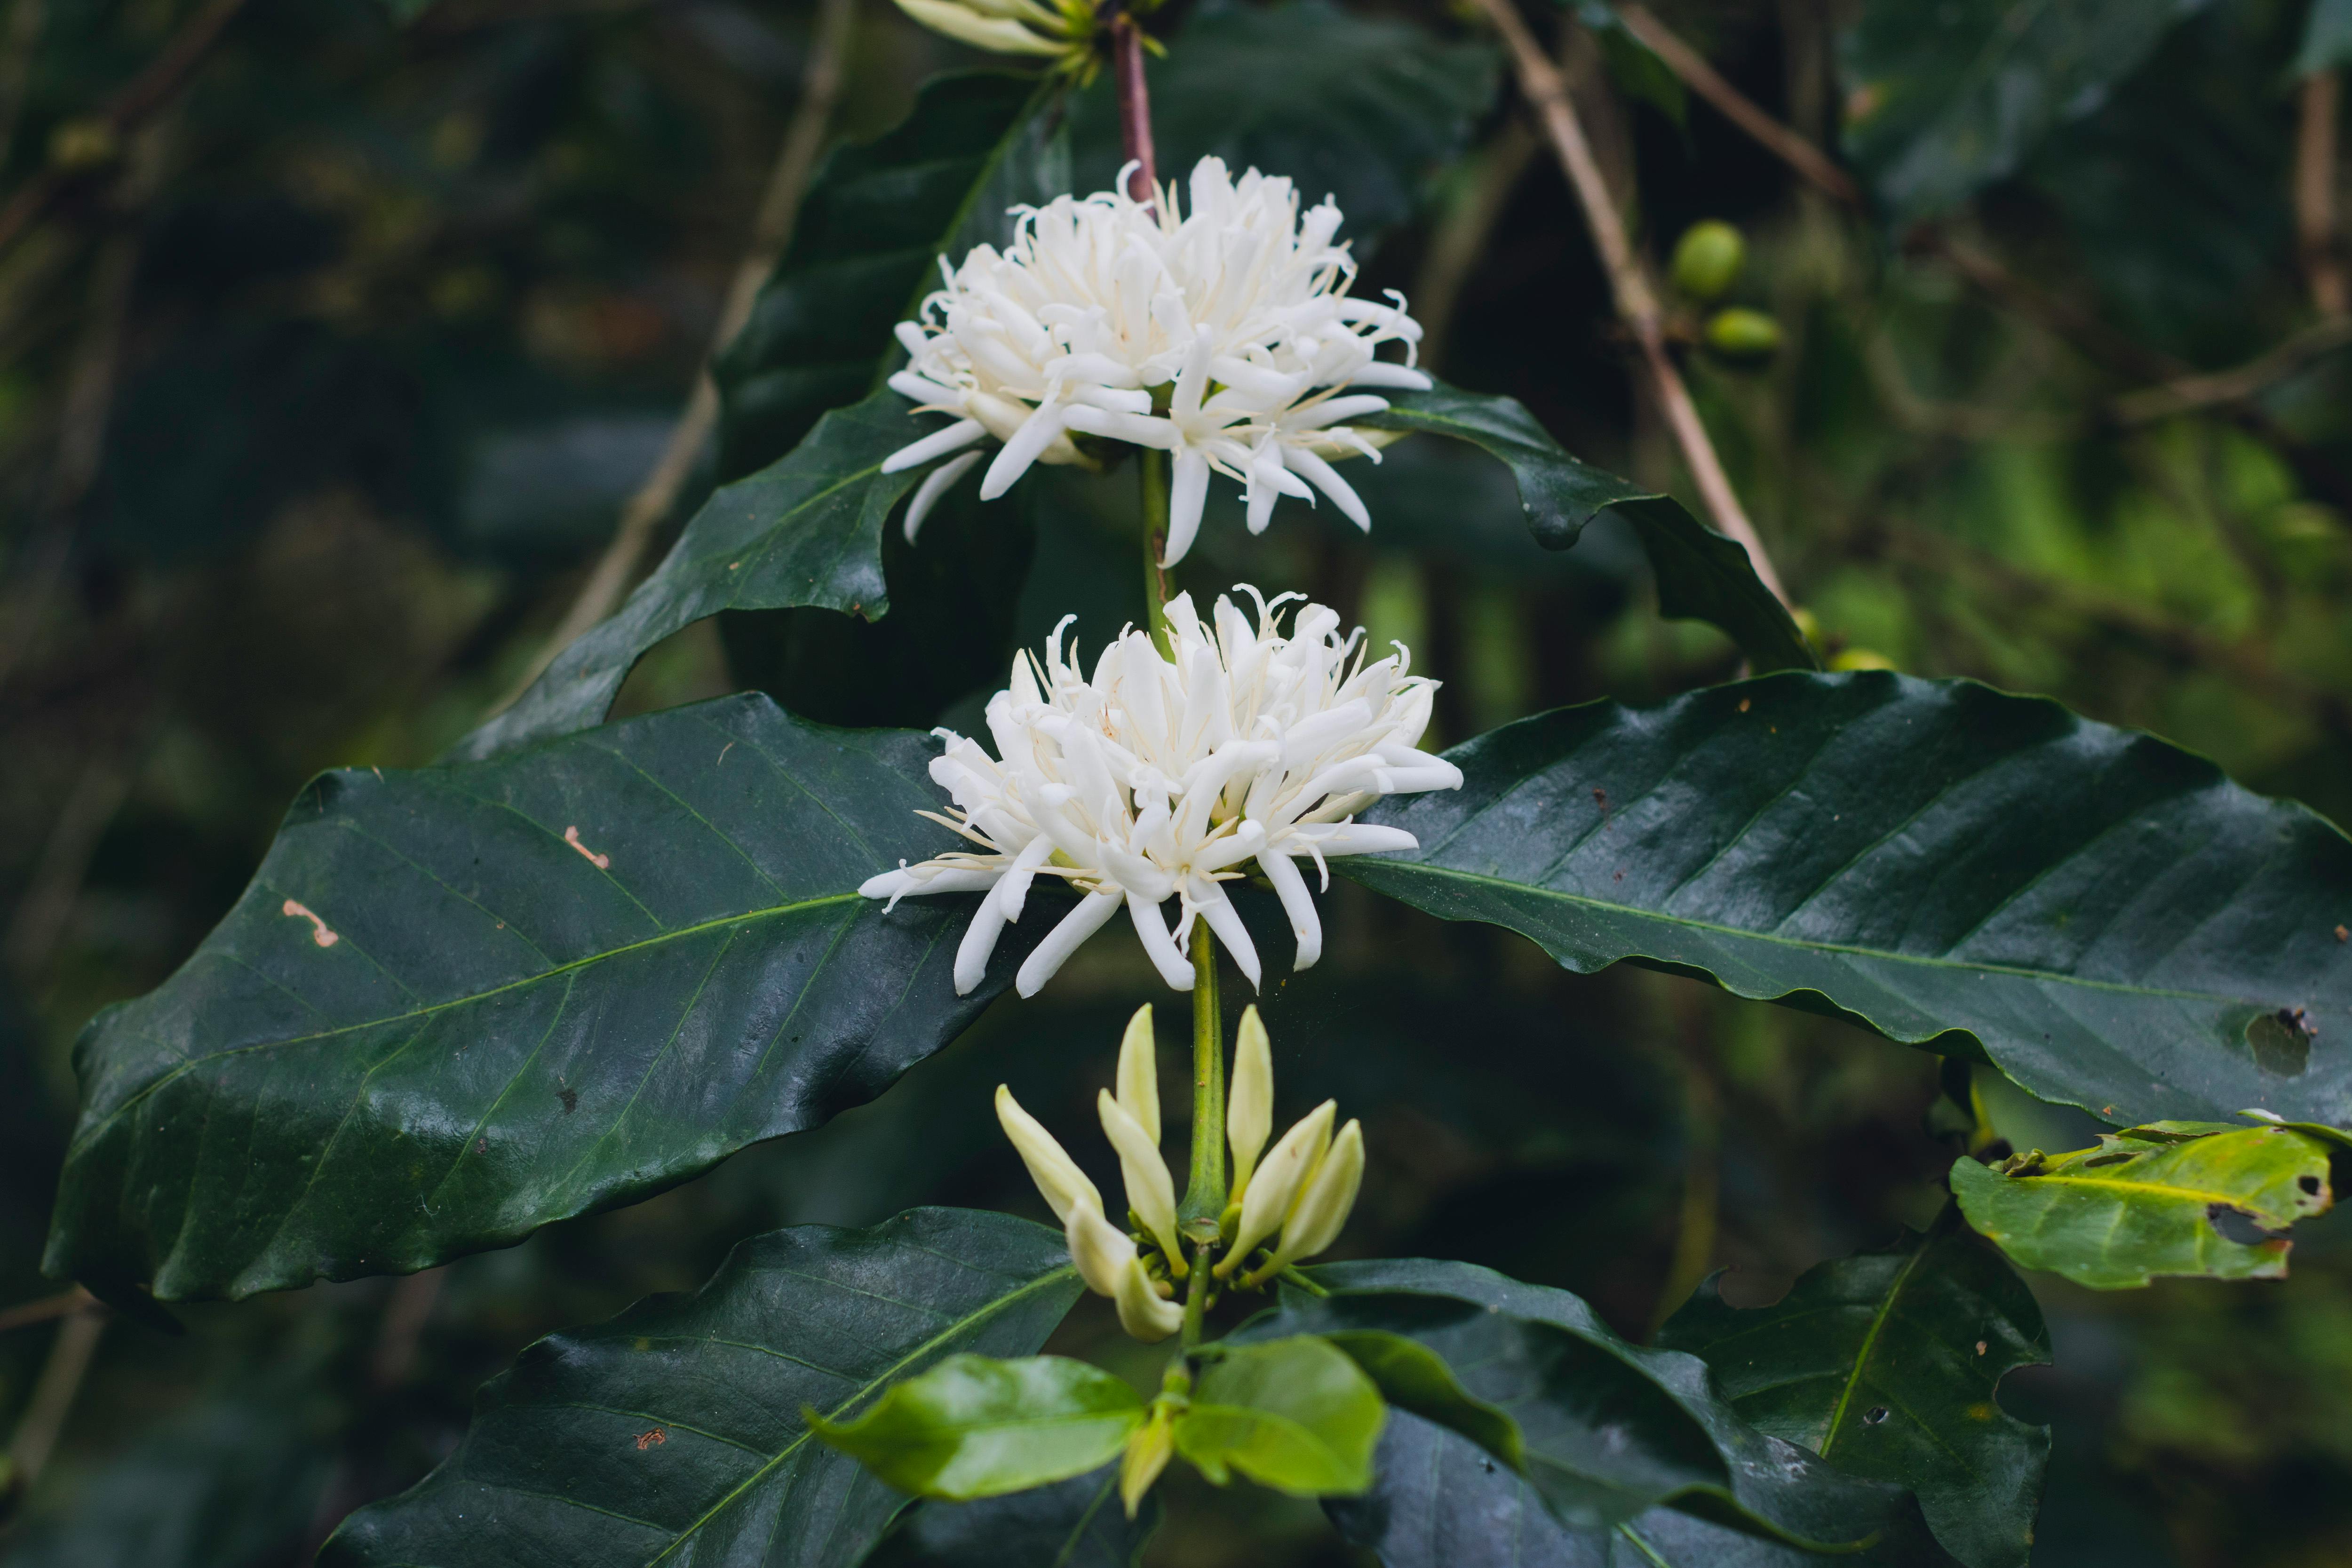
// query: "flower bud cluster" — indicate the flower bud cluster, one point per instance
point(1012, 26)
point(1224, 337)
point(1164, 775)
point(1280, 1209)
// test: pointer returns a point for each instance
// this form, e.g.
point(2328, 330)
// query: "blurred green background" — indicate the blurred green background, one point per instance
point(322, 386)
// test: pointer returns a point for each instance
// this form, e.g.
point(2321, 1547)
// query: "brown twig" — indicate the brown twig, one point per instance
point(24, 1314)
point(771, 233)
point(1637, 302)
point(53, 1395)
point(136, 103)
point(1134, 110)
point(1736, 106)
point(2187, 393)
point(2315, 194)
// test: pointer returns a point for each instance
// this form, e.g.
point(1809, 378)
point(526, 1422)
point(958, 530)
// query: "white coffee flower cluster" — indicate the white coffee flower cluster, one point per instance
point(1163, 776)
point(1224, 337)
point(1292, 1203)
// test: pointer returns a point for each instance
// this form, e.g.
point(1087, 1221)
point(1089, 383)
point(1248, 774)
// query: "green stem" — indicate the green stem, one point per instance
point(1152, 471)
point(1205, 1192)
point(1196, 1298)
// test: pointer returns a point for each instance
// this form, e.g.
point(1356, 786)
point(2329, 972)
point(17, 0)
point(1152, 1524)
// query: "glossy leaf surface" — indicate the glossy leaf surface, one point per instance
point(1943, 100)
point(1359, 108)
point(1701, 574)
point(459, 1003)
point(1441, 1501)
point(2116, 924)
point(1411, 1376)
point(806, 530)
point(1291, 1414)
point(863, 251)
point(977, 1428)
point(2118, 1216)
point(674, 1431)
point(1886, 1365)
point(1613, 1431)
point(1075, 1523)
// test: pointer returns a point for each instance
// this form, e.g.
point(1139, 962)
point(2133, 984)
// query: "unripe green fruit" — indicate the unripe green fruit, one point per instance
point(1743, 334)
point(1707, 259)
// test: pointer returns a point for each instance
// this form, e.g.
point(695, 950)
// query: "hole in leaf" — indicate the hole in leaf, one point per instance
point(2281, 1041)
point(2235, 1225)
point(2309, 1184)
point(1876, 1414)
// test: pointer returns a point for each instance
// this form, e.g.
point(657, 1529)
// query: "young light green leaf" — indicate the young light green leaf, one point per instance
point(675, 1434)
point(460, 1002)
point(1943, 100)
point(1701, 574)
point(2117, 1215)
point(2114, 923)
point(975, 1427)
point(1886, 1365)
point(1291, 1414)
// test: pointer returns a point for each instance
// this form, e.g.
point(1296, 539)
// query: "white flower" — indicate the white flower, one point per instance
point(1162, 778)
point(1225, 338)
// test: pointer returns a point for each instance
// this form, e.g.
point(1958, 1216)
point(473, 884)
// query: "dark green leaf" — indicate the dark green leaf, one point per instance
point(1411, 1376)
point(1443, 1502)
point(1362, 109)
point(2327, 38)
point(1291, 1414)
point(2115, 923)
point(1887, 1365)
point(674, 1431)
point(1612, 1430)
point(864, 249)
point(1943, 100)
point(2117, 1215)
point(1701, 574)
point(804, 530)
point(977, 1428)
point(2170, 189)
point(232, 1482)
point(555, 982)
point(1073, 1524)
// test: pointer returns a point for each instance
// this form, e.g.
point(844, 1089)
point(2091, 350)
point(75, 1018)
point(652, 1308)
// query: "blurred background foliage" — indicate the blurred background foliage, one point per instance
point(324, 375)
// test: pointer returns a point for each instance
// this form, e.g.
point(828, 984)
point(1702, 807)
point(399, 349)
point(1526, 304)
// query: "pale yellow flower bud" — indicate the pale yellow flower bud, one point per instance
point(1323, 1207)
point(1150, 1190)
point(1099, 1248)
point(1001, 34)
point(1138, 1073)
point(1058, 1176)
point(1249, 1109)
point(1143, 1311)
point(1275, 1186)
point(1147, 1455)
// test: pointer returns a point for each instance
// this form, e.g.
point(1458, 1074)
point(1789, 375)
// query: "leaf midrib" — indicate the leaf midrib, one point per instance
point(96, 1129)
point(1847, 950)
point(1879, 1318)
point(1057, 1277)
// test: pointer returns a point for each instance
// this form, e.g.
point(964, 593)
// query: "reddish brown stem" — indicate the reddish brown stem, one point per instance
point(1134, 110)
